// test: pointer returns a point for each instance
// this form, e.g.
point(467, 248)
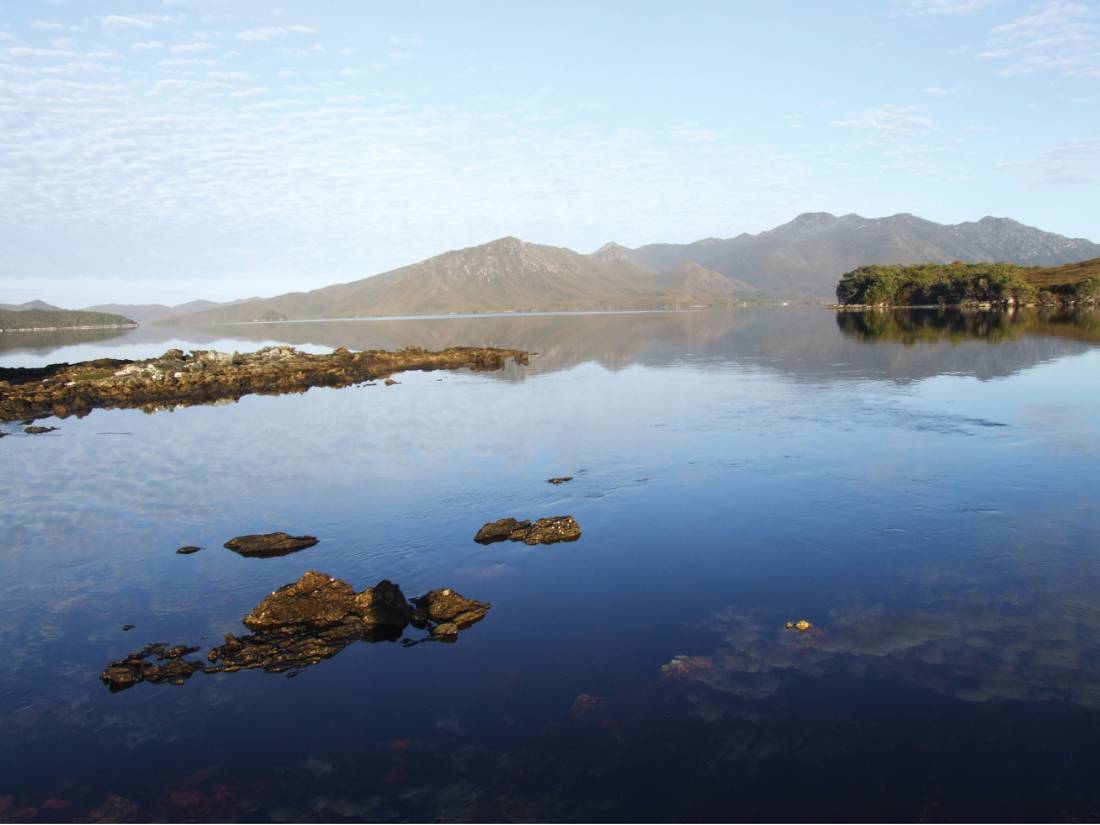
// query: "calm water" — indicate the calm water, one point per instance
point(924, 490)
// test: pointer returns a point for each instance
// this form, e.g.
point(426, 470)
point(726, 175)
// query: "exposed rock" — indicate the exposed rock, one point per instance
point(446, 612)
point(206, 376)
point(801, 625)
point(553, 529)
point(307, 622)
point(125, 673)
point(389, 382)
point(544, 531)
point(38, 430)
point(269, 545)
point(559, 479)
point(127, 627)
point(188, 550)
point(505, 529)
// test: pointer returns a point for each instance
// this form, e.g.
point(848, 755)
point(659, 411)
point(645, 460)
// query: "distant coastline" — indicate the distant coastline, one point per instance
point(54, 320)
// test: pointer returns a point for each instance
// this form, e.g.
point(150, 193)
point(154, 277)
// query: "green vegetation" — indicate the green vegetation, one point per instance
point(961, 284)
point(925, 284)
point(31, 319)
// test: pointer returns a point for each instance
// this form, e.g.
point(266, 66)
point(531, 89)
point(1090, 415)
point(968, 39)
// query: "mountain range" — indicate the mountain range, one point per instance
point(802, 259)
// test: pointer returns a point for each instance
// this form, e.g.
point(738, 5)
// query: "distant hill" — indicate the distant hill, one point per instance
point(807, 256)
point(28, 305)
point(505, 275)
point(48, 319)
point(143, 313)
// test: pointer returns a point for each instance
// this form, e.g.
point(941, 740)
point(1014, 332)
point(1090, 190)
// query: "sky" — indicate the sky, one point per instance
point(167, 150)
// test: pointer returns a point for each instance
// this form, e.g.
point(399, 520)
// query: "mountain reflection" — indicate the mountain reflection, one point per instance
point(803, 343)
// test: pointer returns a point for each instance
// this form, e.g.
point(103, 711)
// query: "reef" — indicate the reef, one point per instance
point(176, 379)
point(544, 531)
point(304, 623)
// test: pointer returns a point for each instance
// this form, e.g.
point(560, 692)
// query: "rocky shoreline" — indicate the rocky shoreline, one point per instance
point(176, 379)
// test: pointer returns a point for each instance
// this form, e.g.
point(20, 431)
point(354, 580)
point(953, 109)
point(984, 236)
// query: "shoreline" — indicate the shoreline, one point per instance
point(67, 328)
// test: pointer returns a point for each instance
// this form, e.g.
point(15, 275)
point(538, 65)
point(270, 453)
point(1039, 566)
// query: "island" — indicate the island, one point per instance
point(970, 284)
point(48, 320)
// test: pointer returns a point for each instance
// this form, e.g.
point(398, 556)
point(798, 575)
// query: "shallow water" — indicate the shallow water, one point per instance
point(923, 489)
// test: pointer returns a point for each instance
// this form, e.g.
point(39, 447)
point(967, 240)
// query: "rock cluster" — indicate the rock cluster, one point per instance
point(205, 376)
point(307, 622)
point(137, 667)
point(544, 531)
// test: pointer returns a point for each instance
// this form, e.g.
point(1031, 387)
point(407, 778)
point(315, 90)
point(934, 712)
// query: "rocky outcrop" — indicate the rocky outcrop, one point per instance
point(205, 376)
point(559, 479)
point(544, 531)
point(188, 550)
point(269, 545)
point(305, 623)
point(138, 667)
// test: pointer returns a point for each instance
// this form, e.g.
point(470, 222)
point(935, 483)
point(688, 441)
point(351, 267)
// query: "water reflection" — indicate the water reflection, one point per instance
point(913, 326)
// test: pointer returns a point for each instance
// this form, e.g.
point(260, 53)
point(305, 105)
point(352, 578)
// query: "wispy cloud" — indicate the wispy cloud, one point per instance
point(268, 33)
point(940, 90)
point(1059, 36)
point(946, 8)
point(888, 121)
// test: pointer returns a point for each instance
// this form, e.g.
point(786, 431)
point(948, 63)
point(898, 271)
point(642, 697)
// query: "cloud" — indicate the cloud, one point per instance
point(269, 33)
point(1066, 163)
point(940, 90)
point(191, 48)
point(1058, 36)
point(946, 8)
point(186, 62)
point(888, 121)
point(148, 45)
point(49, 25)
point(120, 22)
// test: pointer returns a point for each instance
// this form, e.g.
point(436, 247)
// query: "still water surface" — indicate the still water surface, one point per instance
point(923, 489)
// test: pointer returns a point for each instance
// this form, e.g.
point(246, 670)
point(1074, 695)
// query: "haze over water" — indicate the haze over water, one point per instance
point(919, 487)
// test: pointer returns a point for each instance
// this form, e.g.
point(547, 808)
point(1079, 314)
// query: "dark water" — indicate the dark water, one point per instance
point(923, 489)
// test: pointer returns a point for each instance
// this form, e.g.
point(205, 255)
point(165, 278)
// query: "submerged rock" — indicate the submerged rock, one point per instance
point(268, 545)
point(188, 550)
point(544, 531)
point(306, 622)
point(205, 377)
point(559, 479)
point(137, 667)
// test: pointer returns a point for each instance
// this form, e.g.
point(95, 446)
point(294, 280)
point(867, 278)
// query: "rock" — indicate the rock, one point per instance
point(504, 529)
point(559, 479)
point(188, 550)
point(447, 606)
point(389, 382)
point(38, 430)
point(125, 673)
point(801, 625)
point(553, 529)
point(127, 627)
point(320, 600)
point(268, 545)
point(544, 531)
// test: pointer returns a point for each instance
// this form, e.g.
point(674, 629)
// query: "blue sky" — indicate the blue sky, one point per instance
point(163, 151)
